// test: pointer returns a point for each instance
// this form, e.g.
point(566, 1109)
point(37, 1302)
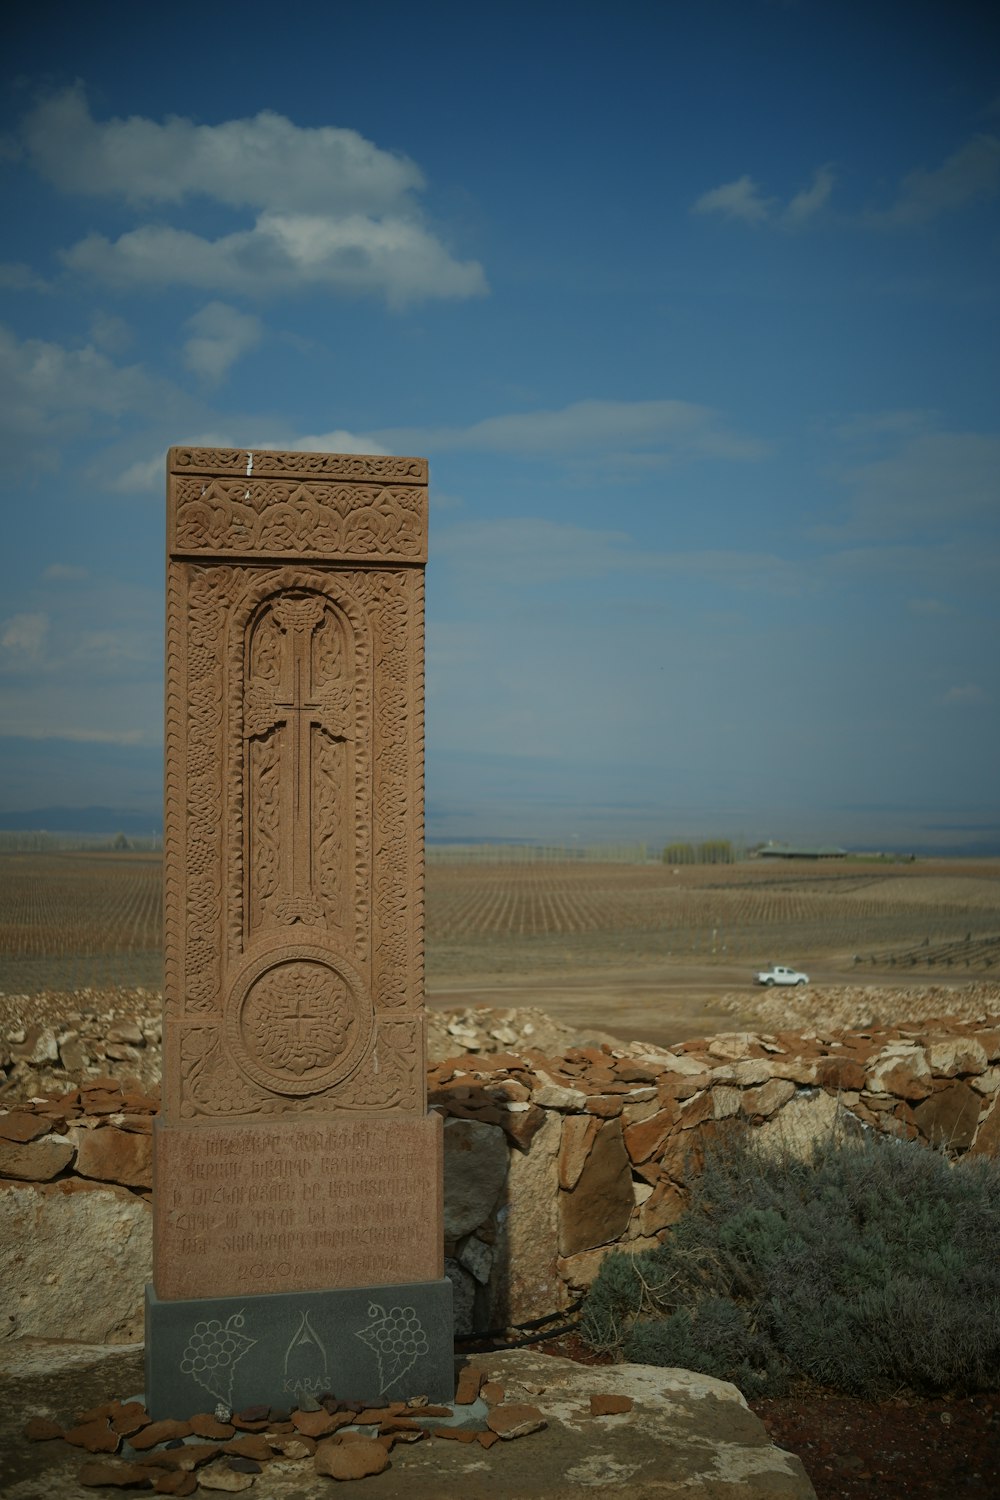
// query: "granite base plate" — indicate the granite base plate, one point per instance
point(374, 1344)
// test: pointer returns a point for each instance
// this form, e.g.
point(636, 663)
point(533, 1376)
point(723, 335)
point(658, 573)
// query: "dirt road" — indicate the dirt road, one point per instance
point(663, 1004)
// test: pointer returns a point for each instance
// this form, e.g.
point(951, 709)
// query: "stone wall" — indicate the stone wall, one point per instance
point(550, 1161)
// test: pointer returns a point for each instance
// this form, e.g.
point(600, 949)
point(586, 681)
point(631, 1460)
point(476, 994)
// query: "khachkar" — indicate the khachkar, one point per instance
point(297, 1203)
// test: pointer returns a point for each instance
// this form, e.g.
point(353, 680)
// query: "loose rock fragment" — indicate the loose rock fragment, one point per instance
point(219, 1476)
point(160, 1432)
point(41, 1429)
point(250, 1445)
point(204, 1425)
point(128, 1417)
point(294, 1447)
point(96, 1437)
point(515, 1420)
point(319, 1424)
point(469, 1381)
point(186, 1456)
point(350, 1460)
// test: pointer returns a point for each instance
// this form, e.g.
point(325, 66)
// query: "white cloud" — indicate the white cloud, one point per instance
point(144, 475)
point(961, 569)
point(284, 253)
point(971, 173)
point(265, 161)
point(63, 572)
point(741, 199)
point(965, 693)
point(88, 736)
point(620, 427)
point(930, 608)
point(810, 200)
point(110, 332)
point(331, 210)
point(15, 276)
point(22, 641)
point(932, 479)
point(220, 334)
point(866, 427)
point(337, 441)
point(530, 550)
point(56, 393)
point(51, 380)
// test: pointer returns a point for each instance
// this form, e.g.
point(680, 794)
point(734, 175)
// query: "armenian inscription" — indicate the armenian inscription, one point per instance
point(288, 1207)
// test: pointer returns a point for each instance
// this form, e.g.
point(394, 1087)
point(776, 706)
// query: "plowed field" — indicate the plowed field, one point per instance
point(633, 948)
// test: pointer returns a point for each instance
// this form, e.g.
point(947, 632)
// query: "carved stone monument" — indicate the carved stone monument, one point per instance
point(297, 1173)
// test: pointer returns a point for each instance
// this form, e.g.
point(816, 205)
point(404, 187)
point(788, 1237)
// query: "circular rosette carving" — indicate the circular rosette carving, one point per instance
point(298, 1020)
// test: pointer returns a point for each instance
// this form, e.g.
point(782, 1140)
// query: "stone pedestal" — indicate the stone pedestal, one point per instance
point(294, 1158)
point(374, 1344)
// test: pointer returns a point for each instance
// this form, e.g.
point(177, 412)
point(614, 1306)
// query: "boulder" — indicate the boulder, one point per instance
point(475, 1167)
point(35, 1161)
point(525, 1283)
point(952, 1055)
point(74, 1261)
point(598, 1209)
point(950, 1116)
point(111, 1155)
point(902, 1069)
point(810, 1117)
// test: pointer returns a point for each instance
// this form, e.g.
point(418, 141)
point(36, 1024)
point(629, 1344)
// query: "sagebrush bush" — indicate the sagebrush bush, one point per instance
point(871, 1266)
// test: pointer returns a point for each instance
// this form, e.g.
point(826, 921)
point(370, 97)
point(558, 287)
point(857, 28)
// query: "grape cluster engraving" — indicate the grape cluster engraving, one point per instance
point(213, 1351)
point(397, 1339)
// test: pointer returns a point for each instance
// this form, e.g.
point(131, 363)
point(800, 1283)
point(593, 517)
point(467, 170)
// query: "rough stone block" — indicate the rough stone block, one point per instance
point(34, 1161)
point(476, 1158)
point(950, 1116)
point(87, 1289)
point(111, 1155)
point(599, 1208)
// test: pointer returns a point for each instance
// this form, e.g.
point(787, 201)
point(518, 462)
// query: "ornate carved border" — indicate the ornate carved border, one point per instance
point(245, 461)
point(290, 517)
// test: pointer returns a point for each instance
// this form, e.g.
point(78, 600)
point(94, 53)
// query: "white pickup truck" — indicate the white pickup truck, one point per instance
point(780, 974)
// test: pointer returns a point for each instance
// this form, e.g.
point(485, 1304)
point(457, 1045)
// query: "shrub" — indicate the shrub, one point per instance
point(868, 1267)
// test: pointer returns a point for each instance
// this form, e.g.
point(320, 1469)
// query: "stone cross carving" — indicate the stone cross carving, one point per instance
point(293, 863)
point(302, 710)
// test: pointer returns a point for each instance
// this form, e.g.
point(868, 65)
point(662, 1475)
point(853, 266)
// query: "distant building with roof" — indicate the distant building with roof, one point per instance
point(771, 850)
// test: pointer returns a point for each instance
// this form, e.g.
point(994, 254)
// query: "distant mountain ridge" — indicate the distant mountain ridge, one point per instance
point(109, 820)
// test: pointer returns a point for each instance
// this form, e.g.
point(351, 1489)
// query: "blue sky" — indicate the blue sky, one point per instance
point(692, 307)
